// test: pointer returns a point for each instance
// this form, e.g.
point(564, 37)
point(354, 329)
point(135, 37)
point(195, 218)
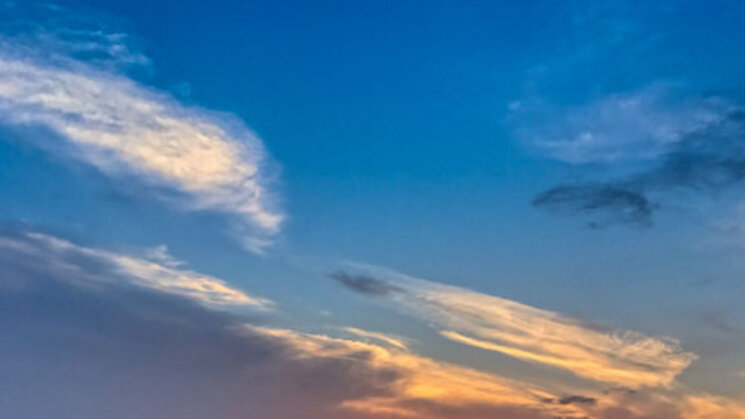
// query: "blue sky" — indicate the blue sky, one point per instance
point(418, 209)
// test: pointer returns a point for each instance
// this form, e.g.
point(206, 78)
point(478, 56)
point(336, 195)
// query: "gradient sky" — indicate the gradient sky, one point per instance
point(372, 209)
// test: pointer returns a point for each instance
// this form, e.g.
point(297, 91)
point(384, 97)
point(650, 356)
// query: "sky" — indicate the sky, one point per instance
point(372, 209)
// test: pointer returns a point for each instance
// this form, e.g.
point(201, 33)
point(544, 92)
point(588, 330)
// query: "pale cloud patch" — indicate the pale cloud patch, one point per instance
point(95, 37)
point(161, 255)
point(625, 358)
point(727, 231)
point(637, 125)
point(707, 406)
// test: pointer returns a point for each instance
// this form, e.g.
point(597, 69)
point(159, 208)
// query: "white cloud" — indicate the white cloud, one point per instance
point(539, 336)
point(74, 261)
point(386, 339)
point(124, 128)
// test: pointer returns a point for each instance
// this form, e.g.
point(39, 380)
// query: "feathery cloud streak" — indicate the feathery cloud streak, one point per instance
point(420, 381)
point(123, 128)
point(96, 267)
point(488, 322)
point(638, 125)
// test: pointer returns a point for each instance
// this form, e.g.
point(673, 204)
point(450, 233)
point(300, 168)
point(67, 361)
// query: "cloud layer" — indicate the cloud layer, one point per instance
point(93, 334)
point(89, 339)
point(622, 358)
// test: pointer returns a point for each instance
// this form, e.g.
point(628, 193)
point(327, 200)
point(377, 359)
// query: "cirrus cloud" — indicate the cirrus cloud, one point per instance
point(91, 267)
point(625, 358)
point(71, 106)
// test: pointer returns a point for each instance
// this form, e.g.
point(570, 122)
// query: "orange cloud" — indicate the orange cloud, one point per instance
point(420, 381)
point(625, 358)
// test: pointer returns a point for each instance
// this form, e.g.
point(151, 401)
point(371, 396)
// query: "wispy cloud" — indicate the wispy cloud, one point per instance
point(365, 284)
point(96, 267)
point(606, 203)
point(94, 37)
point(386, 339)
point(127, 130)
point(633, 133)
point(638, 125)
point(488, 322)
point(714, 407)
point(651, 143)
point(423, 383)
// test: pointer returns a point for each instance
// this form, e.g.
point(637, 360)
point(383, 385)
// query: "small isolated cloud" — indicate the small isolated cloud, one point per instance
point(364, 284)
point(96, 267)
point(605, 203)
point(573, 399)
point(625, 358)
point(68, 106)
point(161, 255)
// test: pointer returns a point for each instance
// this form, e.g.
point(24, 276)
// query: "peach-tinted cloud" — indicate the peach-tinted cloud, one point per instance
point(678, 403)
point(492, 323)
point(420, 381)
point(386, 339)
point(640, 125)
point(707, 406)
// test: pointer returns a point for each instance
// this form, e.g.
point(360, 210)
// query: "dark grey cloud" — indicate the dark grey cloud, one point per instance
point(704, 161)
point(364, 284)
point(605, 203)
point(577, 399)
point(708, 159)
